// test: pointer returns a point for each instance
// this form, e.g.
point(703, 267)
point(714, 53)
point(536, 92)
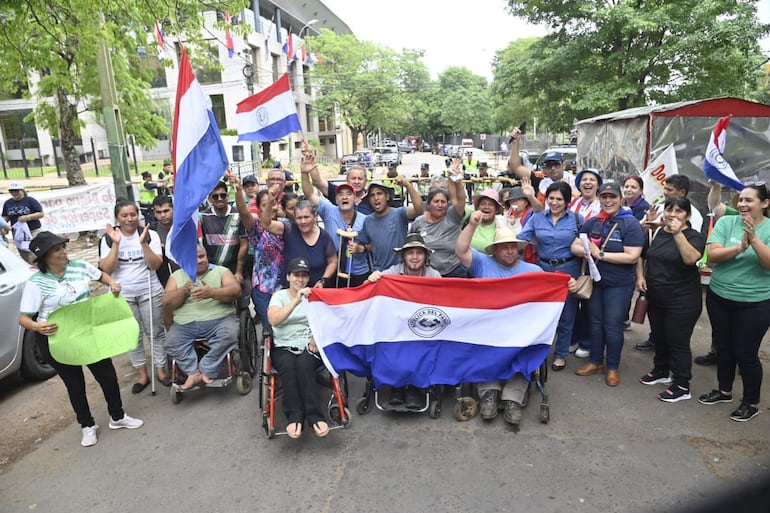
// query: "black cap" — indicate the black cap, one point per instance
point(298, 265)
point(424, 165)
point(610, 188)
point(249, 179)
point(145, 174)
point(43, 242)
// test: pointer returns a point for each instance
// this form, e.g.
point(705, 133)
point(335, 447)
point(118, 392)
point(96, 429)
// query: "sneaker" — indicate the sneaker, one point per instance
point(655, 377)
point(126, 422)
point(706, 359)
point(627, 326)
point(574, 347)
point(582, 353)
point(674, 394)
point(489, 404)
point(88, 437)
point(744, 412)
point(512, 412)
point(714, 397)
point(644, 346)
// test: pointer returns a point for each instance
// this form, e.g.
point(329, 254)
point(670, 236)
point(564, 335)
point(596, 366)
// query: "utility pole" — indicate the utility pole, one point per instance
point(116, 139)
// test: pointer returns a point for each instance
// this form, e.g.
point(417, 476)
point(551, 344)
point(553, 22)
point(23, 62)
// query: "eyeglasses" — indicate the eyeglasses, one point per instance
point(219, 196)
point(69, 287)
point(551, 164)
point(13, 191)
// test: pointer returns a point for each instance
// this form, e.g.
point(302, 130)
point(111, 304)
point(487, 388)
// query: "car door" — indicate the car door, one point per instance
point(13, 275)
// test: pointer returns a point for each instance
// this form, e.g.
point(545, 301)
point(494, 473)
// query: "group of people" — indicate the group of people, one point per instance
point(269, 247)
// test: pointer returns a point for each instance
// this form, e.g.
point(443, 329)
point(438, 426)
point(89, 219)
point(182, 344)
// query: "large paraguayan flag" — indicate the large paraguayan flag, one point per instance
point(427, 331)
point(715, 166)
point(268, 115)
point(200, 161)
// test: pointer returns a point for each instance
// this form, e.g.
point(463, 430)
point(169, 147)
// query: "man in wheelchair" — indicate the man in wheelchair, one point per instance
point(204, 309)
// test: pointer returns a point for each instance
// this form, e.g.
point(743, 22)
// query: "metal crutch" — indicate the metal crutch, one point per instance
point(345, 236)
point(152, 330)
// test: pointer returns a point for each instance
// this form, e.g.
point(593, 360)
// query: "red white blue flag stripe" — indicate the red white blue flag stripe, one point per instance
point(715, 166)
point(229, 36)
point(426, 331)
point(200, 161)
point(268, 115)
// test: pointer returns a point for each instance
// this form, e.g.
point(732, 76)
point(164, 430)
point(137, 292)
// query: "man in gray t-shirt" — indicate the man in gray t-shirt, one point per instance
point(414, 258)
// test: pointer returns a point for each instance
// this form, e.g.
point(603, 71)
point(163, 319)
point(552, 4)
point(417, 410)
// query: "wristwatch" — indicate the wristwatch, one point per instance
point(601, 255)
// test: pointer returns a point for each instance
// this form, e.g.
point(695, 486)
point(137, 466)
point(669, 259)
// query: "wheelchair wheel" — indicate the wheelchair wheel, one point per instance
point(336, 418)
point(545, 413)
point(267, 428)
point(434, 410)
point(176, 397)
point(247, 343)
point(364, 405)
point(243, 382)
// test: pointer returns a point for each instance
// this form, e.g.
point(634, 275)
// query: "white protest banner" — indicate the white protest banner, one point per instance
point(653, 177)
point(77, 209)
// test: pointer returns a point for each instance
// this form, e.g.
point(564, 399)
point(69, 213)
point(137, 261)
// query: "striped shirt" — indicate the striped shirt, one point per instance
point(46, 292)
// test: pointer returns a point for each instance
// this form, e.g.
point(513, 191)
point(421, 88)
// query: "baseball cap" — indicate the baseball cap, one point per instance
point(249, 179)
point(298, 265)
point(424, 165)
point(15, 186)
point(610, 188)
point(277, 164)
point(347, 186)
point(145, 174)
point(554, 156)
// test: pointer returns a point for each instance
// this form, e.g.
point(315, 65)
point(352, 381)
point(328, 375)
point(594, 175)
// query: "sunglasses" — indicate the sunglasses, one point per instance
point(12, 191)
point(757, 183)
point(551, 164)
point(219, 196)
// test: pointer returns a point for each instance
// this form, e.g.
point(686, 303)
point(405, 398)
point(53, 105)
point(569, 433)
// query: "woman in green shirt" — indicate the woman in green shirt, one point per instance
point(738, 299)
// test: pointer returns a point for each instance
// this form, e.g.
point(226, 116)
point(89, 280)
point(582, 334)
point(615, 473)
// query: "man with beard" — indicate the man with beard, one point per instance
point(355, 177)
point(386, 228)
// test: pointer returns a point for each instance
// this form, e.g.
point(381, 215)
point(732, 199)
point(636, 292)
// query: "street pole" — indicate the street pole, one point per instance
point(116, 139)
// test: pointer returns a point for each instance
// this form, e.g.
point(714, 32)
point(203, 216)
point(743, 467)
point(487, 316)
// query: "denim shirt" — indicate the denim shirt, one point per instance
point(553, 242)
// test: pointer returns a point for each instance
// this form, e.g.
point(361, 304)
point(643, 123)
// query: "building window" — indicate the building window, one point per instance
point(309, 118)
point(157, 69)
point(218, 106)
point(276, 67)
point(207, 69)
point(306, 78)
point(19, 89)
point(238, 154)
point(292, 78)
point(323, 125)
point(17, 132)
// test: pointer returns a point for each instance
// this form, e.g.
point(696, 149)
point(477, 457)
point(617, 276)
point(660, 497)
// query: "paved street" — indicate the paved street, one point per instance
point(604, 450)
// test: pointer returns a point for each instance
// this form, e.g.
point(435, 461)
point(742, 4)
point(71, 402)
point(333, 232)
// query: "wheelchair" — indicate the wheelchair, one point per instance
point(432, 401)
point(466, 401)
point(337, 411)
point(240, 364)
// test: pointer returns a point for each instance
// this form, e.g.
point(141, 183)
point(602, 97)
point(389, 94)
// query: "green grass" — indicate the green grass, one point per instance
point(18, 173)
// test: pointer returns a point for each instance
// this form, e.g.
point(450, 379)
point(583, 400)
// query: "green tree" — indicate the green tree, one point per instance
point(510, 70)
point(604, 56)
point(51, 44)
point(358, 80)
point(466, 107)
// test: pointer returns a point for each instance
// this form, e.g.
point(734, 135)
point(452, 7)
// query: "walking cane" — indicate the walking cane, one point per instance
point(345, 236)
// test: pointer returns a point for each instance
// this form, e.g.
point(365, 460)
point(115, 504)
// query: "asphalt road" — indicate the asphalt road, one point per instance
point(604, 450)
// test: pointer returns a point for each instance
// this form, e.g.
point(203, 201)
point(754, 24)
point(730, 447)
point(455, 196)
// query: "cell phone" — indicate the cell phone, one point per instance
point(522, 127)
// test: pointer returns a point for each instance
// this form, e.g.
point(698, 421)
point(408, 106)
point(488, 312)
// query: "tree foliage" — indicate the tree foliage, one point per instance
point(604, 56)
point(510, 69)
point(465, 102)
point(50, 45)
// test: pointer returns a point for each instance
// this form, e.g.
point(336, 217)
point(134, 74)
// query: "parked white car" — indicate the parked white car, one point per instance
point(18, 351)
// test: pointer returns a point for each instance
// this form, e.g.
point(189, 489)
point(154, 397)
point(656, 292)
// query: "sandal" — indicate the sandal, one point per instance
point(558, 367)
point(296, 432)
point(321, 428)
point(165, 381)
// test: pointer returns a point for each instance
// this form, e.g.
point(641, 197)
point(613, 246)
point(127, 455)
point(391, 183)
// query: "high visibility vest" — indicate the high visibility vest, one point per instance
point(147, 195)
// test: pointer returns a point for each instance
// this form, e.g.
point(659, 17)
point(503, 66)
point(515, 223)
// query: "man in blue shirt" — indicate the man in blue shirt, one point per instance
point(502, 261)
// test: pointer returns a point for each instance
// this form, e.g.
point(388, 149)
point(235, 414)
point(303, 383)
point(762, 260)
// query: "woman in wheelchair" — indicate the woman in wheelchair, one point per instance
point(294, 353)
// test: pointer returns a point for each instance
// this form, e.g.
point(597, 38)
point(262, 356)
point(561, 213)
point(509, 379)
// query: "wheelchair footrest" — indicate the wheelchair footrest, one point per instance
point(220, 383)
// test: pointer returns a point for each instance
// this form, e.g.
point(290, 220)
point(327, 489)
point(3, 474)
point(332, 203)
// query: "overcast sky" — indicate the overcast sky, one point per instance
point(452, 32)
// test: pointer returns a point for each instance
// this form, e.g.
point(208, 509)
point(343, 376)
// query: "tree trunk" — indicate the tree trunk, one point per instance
point(68, 134)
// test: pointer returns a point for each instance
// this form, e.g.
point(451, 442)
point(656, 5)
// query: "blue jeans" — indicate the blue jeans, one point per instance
point(609, 308)
point(222, 336)
point(261, 301)
point(567, 319)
